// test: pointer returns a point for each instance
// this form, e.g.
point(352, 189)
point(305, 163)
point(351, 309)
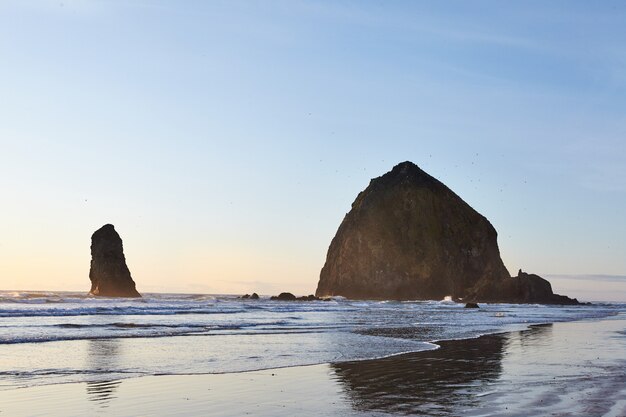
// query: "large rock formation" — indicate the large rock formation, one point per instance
point(409, 237)
point(109, 274)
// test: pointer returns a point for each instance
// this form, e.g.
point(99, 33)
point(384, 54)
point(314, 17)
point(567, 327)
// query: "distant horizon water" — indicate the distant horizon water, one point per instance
point(584, 287)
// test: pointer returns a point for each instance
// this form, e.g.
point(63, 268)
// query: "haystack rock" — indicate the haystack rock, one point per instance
point(109, 274)
point(409, 237)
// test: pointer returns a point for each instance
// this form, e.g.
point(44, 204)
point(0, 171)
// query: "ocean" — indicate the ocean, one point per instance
point(59, 337)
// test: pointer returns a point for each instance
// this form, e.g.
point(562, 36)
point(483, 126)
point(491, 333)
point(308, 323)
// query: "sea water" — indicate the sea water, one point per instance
point(56, 337)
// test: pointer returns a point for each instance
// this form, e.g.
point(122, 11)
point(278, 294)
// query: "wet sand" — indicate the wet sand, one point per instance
point(563, 369)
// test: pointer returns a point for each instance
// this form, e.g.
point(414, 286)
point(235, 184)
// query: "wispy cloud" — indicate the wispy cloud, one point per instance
point(591, 277)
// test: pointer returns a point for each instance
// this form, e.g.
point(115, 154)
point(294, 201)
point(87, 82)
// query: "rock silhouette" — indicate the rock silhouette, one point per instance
point(287, 296)
point(409, 237)
point(109, 274)
point(525, 288)
point(254, 296)
point(284, 296)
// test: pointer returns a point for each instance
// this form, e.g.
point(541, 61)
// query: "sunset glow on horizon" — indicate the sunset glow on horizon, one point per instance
point(226, 140)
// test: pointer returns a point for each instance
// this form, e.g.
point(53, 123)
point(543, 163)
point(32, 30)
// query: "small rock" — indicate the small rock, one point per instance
point(309, 297)
point(284, 296)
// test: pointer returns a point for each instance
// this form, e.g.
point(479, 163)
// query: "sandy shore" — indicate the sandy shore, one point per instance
point(563, 369)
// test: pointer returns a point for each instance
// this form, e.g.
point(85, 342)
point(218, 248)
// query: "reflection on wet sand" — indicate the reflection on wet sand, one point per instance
point(435, 382)
point(102, 358)
point(569, 369)
point(537, 335)
point(102, 392)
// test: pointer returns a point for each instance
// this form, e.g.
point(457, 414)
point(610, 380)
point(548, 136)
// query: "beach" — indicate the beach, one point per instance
point(562, 369)
point(312, 208)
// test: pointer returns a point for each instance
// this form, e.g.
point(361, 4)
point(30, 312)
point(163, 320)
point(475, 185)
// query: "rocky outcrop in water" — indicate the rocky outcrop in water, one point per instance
point(525, 288)
point(109, 274)
point(287, 296)
point(409, 237)
point(284, 296)
point(254, 296)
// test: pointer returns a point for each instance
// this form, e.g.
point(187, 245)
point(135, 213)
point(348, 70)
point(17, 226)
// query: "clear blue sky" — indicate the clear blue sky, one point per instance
point(226, 140)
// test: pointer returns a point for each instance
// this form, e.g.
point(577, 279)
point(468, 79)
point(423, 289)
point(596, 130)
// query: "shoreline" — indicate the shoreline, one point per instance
point(435, 343)
point(484, 375)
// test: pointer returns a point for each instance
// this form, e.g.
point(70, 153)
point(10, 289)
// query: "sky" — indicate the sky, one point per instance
point(226, 140)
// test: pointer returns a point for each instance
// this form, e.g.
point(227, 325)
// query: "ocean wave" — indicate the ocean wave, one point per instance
point(78, 316)
point(181, 334)
point(112, 311)
point(33, 332)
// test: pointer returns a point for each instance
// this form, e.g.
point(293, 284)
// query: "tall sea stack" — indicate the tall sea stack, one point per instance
point(409, 237)
point(109, 274)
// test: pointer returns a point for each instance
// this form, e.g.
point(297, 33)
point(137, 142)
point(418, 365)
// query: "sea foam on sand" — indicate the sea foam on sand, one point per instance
point(565, 369)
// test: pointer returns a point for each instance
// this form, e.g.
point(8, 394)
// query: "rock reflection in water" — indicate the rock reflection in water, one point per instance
point(102, 360)
point(537, 335)
point(102, 392)
point(436, 382)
